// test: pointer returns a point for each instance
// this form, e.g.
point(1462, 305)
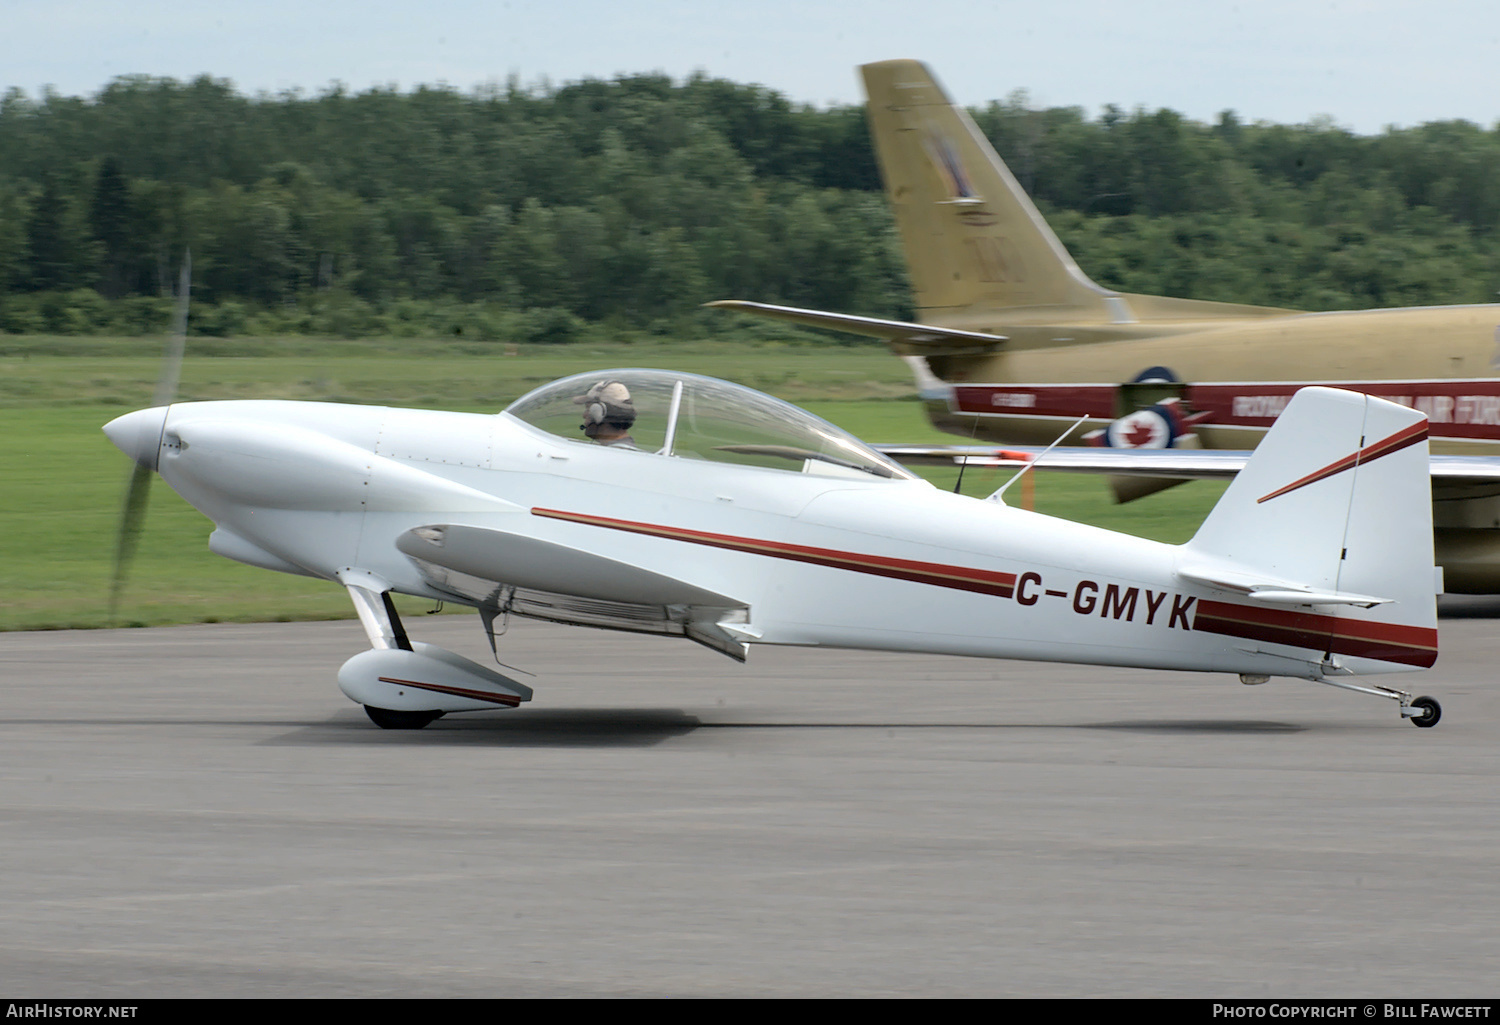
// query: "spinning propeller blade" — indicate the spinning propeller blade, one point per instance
point(138, 491)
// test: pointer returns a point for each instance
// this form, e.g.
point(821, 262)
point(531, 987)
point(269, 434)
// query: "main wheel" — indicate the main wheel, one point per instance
point(1431, 712)
point(393, 719)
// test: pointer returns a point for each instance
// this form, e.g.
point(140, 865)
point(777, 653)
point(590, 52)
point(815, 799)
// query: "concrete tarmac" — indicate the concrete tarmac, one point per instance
point(198, 811)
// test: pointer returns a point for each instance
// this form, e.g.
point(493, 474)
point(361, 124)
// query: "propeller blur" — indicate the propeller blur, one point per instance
point(138, 489)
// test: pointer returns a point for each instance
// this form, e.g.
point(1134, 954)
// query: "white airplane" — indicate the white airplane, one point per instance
point(702, 509)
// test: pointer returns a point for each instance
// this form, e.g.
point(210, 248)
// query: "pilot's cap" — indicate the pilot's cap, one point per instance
point(606, 402)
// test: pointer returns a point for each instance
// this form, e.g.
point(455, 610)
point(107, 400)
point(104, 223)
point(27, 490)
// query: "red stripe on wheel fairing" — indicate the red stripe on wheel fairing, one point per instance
point(963, 578)
point(510, 701)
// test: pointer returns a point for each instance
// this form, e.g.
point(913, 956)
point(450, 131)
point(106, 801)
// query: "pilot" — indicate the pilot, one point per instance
point(608, 414)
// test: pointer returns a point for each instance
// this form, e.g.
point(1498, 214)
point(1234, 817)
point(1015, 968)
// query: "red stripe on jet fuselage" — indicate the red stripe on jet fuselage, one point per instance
point(1403, 438)
point(963, 578)
point(1388, 642)
point(1458, 410)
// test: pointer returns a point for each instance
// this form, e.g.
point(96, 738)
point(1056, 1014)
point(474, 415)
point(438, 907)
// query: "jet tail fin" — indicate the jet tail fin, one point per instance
point(1327, 532)
point(974, 241)
point(972, 235)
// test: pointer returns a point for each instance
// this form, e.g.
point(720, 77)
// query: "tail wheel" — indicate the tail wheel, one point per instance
point(1431, 712)
point(393, 719)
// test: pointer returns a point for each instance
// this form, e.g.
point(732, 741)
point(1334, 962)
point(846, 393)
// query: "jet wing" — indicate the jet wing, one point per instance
point(1465, 476)
point(527, 576)
point(1452, 476)
point(906, 339)
point(1178, 464)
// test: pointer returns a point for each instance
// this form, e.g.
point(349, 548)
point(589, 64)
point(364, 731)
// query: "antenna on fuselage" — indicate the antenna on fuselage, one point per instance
point(666, 446)
point(1076, 424)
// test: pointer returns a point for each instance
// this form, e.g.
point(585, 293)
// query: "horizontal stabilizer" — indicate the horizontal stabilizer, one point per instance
point(1310, 597)
point(1275, 592)
point(905, 338)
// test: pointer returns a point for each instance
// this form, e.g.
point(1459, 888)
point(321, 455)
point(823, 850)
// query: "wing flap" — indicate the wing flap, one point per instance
point(523, 561)
point(538, 579)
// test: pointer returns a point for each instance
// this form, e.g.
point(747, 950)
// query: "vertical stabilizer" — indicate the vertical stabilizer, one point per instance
point(972, 235)
point(1336, 501)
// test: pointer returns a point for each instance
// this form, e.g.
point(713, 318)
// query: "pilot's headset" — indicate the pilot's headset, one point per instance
point(607, 402)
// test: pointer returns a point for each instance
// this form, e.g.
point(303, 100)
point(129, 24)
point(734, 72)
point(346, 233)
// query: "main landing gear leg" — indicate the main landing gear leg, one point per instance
point(377, 614)
point(1424, 711)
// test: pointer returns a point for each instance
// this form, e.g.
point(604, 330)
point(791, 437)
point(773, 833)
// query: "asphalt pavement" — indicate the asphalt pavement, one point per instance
point(198, 811)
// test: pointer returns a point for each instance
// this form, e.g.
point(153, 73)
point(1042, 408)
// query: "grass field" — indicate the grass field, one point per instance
point(62, 481)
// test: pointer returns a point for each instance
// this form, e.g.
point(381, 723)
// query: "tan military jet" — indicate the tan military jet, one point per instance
point(1014, 342)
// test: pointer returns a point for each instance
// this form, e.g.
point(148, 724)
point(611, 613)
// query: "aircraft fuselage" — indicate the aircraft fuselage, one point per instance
point(346, 492)
point(1236, 375)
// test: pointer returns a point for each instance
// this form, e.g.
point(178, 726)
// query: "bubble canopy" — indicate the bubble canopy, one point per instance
point(692, 417)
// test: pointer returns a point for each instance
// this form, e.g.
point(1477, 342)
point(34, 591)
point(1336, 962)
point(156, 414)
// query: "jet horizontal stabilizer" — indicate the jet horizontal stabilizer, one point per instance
point(905, 338)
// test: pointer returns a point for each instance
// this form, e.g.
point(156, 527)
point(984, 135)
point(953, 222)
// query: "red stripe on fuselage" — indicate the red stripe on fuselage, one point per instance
point(1407, 645)
point(1388, 642)
point(963, 578)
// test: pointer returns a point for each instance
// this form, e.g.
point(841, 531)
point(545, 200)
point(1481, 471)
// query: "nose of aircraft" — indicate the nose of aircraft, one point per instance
point(138, 434)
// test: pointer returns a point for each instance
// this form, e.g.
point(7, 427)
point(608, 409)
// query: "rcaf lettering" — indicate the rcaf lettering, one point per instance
point(1021, 400)
point(1439, 408)
point(1267, 406)
point(1476, 409)
point(1115, 602)
point(1479, 410)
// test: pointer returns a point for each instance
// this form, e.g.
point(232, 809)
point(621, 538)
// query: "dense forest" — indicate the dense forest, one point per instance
point(546, 214)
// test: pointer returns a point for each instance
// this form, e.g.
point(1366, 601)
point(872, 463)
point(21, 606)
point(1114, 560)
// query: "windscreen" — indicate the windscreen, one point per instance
point(715, 420)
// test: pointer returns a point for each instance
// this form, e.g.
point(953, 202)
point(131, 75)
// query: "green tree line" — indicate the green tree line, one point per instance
point(529, 214)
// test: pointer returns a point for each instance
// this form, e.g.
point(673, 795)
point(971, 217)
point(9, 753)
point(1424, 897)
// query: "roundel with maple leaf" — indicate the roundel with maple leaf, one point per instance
point(1145, 428)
